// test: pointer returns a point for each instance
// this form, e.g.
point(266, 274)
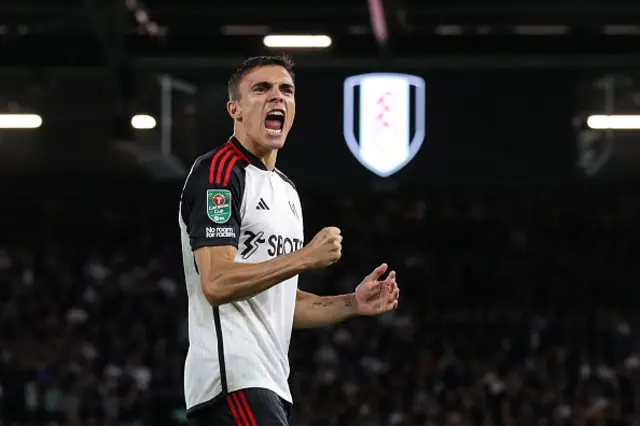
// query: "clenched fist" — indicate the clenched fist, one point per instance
point(324, 249)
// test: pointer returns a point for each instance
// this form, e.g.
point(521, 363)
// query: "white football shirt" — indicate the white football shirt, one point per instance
point(230, 198)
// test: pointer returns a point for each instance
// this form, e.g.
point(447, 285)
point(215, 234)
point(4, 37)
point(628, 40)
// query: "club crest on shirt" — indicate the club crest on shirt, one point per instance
point(219, 205)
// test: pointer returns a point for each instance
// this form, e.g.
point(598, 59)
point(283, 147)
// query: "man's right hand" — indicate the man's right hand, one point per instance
point(324, 249)
point(224, 280)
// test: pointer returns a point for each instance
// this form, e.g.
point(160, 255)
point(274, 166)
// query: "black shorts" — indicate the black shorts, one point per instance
point(247, 407)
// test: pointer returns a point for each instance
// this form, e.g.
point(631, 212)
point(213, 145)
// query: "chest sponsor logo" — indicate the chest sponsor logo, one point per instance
point(219, 205)
point(275, 244)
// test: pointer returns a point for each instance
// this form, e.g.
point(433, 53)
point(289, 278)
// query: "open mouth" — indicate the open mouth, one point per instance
point(274, 122)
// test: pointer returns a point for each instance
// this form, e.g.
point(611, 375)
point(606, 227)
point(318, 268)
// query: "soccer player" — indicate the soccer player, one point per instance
point(243, 248)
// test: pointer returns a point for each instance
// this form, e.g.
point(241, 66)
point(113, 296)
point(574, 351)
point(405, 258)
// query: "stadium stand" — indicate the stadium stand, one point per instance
point(517, 308)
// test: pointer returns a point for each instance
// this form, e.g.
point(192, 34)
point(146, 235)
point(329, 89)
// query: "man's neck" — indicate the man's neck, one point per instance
point(268, 158)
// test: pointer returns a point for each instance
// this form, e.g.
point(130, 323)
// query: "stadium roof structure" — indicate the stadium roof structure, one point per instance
point(87, 65)
point(190, 33)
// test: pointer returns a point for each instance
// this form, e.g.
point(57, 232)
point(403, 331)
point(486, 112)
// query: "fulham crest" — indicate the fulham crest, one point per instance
point(384, 119)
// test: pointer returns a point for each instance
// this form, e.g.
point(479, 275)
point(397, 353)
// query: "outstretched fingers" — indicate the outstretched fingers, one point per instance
point(377, 273)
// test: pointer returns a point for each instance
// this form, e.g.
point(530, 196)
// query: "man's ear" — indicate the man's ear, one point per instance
point(234, 110)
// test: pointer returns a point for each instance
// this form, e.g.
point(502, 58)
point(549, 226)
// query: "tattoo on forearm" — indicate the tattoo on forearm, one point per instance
point(323, 303)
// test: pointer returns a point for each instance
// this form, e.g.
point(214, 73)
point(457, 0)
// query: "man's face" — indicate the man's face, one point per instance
point(266, 107)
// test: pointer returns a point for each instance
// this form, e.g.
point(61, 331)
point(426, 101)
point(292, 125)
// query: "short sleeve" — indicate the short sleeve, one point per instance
point(214, 213)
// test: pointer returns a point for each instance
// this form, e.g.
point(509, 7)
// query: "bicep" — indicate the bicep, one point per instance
point(213, 260)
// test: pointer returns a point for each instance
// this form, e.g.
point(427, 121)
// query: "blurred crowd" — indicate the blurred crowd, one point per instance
point(517, 309)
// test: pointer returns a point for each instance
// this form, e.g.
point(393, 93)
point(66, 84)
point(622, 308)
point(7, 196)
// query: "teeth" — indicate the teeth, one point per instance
point(276, 113)
point(274, 132)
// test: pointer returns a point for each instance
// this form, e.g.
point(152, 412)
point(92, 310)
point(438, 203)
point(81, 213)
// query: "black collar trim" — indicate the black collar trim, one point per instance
point(248, 156)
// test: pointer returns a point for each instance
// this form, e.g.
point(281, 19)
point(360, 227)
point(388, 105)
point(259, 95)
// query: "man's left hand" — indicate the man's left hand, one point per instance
point(373, 297)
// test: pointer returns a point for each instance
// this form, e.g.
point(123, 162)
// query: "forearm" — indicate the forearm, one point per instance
point(241, 281)
point(319, 311)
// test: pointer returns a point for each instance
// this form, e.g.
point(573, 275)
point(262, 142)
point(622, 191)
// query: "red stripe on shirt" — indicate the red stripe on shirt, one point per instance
point(232, 163)
point(214, 161)
point(221, 165)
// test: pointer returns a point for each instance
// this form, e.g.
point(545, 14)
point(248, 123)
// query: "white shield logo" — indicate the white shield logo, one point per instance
point(384, 144)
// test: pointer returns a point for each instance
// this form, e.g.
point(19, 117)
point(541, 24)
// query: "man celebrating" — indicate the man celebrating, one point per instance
point(242, 244)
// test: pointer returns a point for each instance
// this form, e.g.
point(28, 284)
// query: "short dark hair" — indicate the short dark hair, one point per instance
point(248, 65)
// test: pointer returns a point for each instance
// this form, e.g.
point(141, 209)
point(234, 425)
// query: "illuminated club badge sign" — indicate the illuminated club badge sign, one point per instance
point(384, 119)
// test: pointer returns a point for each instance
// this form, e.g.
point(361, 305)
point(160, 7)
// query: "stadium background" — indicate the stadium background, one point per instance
point(514, 230)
